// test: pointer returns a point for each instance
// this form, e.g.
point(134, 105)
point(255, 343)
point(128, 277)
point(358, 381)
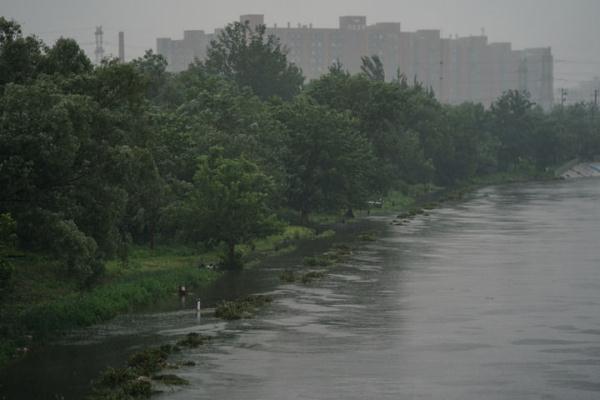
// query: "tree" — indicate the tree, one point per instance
point(512, 123)
point(161, 89)
point(229, 204)
point(400, 122)
point(20, 57)
point(66, 58)
point(246, 56)
point(372, 67)
point(329, 164)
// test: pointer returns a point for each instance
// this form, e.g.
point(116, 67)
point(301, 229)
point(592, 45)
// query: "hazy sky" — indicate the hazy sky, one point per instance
point(570, 27)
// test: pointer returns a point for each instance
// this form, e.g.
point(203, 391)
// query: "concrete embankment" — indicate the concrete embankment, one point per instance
point(582, 170)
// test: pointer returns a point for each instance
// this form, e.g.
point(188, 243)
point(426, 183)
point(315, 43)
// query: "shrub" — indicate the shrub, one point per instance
point(115, 377)
point(148, 361)
point(287, 276)
point(193, 340)
point(318, 261)
point(244, 308)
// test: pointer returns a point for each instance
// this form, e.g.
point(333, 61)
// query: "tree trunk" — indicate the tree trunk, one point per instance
point(304, 218)
point(231, 261)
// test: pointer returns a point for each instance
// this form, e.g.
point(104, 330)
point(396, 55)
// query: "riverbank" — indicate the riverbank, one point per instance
point(43, 305)
point(419, 204)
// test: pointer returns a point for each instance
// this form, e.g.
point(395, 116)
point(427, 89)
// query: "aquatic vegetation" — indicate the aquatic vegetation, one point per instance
point(243, 308)
point(431, 206)
point(133, 381)
point(342, 249)
point(138, 389)
point(148, 361)
point(306, 278)
point(318, 261)
point(310, 277)
point(193, 340)
point(367, 237)
point(287, 276)
point(115, 377)
point(170, 379)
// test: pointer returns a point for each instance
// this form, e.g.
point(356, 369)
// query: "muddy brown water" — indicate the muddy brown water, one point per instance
point(494, 298)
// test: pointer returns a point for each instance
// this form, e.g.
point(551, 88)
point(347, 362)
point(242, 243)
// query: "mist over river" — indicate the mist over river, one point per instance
point(497, 297)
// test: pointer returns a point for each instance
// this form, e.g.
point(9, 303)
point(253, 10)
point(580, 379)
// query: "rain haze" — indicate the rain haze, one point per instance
point(325, 200)
point(570, 27)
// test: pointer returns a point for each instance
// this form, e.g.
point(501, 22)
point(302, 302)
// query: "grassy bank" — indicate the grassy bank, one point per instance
point(44, 303)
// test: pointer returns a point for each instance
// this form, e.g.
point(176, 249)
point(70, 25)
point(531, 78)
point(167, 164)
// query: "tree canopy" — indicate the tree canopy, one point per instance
point(97, 158)
point(250, 58)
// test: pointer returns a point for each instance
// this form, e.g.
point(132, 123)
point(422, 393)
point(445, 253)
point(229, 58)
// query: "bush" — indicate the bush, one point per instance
point(148, 361)
point(76, 250)
point(287, 277)
point(193, 340)
point(318, 261)
point(244, 308)
point(115, 377)
point(138, 388)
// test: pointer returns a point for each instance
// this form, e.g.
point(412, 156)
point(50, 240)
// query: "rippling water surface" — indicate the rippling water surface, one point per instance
point(494, 298)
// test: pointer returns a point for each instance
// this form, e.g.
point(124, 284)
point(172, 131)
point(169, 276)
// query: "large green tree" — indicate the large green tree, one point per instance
point(512, 124)
point(229, 204)
point(252, 59)
point(20, 57)
point(329, 164)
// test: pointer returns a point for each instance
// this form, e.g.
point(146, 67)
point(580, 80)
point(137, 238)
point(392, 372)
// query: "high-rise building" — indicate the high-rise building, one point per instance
point(467, 69)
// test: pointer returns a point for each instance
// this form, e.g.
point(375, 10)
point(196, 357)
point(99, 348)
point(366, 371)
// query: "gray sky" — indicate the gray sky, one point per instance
point(570, 27)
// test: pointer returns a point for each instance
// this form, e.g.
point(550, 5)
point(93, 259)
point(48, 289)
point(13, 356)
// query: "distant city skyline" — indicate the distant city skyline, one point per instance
point(457, 70)
point(570, 28)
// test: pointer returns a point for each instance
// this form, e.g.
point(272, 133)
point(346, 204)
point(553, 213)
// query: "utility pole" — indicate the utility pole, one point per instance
point(99, 52)
point(122, 47)
point(563, 97)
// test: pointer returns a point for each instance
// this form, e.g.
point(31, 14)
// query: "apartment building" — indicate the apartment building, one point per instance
point(467, 69)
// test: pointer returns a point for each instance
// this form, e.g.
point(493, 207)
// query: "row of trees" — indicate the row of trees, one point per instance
point(95, 158)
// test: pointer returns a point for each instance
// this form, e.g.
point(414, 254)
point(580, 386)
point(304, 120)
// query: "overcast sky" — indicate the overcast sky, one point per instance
point(570, 27)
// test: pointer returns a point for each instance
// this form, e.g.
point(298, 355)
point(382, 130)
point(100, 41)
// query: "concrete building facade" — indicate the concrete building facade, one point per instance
point(458, 70)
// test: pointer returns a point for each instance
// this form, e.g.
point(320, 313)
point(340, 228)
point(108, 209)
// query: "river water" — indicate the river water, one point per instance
point(497, 297)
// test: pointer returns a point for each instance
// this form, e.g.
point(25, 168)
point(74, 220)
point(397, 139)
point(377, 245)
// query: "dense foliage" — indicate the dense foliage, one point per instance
point(95, 158)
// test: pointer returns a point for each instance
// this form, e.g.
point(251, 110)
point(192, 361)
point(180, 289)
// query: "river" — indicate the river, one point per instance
point(497, 297)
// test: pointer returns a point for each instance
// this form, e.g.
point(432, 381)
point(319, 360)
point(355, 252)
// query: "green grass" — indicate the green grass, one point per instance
point(45, 302)
point(105, 302)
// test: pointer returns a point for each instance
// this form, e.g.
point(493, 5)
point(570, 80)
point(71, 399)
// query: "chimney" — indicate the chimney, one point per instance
point(122, 47)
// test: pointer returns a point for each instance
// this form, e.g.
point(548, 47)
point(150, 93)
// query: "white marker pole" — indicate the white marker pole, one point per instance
point(198, 308)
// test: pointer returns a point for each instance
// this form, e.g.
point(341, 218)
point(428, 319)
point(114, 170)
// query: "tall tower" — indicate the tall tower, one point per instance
point(122, 47)
point(99, 52)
